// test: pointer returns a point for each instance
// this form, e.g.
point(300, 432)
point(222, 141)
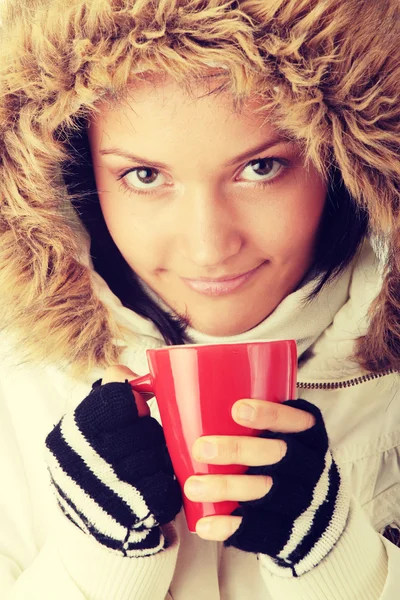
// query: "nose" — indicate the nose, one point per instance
point(209, 234)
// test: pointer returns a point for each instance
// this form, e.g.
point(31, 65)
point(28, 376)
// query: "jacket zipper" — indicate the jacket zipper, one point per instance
point(335, 385)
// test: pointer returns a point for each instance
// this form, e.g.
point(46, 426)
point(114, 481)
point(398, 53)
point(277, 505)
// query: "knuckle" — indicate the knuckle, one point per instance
point(235, 451)
point(272, 415)
point(225, 488)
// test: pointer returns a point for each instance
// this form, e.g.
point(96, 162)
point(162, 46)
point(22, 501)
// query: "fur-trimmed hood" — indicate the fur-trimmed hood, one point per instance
point(329, 69)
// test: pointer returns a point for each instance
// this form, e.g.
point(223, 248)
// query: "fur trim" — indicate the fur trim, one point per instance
point(330, 69)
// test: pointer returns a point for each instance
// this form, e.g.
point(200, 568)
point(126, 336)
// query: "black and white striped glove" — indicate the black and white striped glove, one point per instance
point(112, 473)
point(304, 514)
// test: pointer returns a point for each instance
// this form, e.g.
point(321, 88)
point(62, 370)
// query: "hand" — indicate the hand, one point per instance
point(241, 450)
point(291, 475)
point(111, 471)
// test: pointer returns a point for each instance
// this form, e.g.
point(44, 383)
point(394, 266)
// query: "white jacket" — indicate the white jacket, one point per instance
point(44, 557)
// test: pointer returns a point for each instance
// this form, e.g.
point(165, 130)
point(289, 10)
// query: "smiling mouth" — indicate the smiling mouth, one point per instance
point(220, 286)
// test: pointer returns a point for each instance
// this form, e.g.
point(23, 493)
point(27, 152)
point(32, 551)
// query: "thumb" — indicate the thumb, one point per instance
point(121, 373)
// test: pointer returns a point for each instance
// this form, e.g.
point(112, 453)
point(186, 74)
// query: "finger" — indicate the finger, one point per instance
point(261, 414)
point(120, 373)
point(238, 450)
point(218, 528)
point(218, 488)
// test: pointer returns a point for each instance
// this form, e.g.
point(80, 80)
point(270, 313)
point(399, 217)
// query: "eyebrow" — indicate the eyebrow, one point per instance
point(146, 161)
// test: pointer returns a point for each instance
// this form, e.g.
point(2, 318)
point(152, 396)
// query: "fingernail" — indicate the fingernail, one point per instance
point(207, 450)
point(195, 487)
point(246, 412)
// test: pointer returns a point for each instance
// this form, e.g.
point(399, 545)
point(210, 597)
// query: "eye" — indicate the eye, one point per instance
point(143, 178)
point(262, 169)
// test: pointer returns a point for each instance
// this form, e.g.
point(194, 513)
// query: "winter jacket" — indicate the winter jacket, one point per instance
point(333, 89)
point(44, 556)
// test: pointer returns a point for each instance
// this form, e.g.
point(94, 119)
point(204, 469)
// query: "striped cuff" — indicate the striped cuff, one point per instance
point(356, 567)
point(122, 521)
point(112, 474)
point(317, 529)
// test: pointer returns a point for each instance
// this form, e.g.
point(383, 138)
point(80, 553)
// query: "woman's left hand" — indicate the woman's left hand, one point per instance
point(292, 502)
point(242, 450)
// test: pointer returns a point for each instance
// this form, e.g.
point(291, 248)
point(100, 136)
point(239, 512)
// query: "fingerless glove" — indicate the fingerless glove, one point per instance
point(112, 473)
point(303, 515)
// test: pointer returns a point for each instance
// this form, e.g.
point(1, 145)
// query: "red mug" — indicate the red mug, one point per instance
point(196, 386)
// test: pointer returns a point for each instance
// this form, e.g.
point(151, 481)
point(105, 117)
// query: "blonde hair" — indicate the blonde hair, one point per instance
point(329, 69)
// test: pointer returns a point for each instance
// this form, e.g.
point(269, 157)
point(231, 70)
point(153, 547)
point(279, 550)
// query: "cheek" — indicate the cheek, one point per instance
point(293, 230)
point(138, 243)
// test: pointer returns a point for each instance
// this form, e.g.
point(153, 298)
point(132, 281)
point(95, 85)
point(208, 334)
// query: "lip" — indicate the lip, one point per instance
point(221, 285)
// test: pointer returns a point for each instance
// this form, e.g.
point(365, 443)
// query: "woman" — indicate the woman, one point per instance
point(181, 172)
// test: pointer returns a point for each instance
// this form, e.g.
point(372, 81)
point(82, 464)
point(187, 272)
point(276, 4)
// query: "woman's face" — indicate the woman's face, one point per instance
point(194, 192)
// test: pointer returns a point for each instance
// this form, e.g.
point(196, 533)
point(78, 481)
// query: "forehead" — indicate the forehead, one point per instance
point(157, 103)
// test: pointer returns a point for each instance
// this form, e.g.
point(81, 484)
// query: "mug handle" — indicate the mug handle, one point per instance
point(143, 385)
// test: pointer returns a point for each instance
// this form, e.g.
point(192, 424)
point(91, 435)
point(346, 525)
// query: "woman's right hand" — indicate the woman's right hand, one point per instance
point(111, 470)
